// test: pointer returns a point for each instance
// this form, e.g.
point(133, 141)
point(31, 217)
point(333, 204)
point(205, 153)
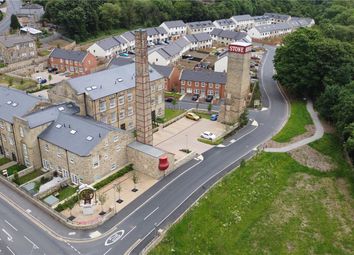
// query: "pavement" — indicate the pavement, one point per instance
point(13, 6)
point(318, 134)
point(133, 228)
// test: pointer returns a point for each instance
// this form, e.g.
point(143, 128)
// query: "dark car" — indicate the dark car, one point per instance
point(195, 97)
point(42, 81)
point(52, 69)
point(169, 99)
point(209, 98)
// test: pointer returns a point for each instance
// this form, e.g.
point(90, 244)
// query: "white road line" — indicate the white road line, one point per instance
point(71, 233)
point(34, 245)
point(235, 140)
point(107, 251)
point(9, 237)
point(232, 141)
point(10, 250)
point(128, 232)
point(147, 216)
point(11, 225)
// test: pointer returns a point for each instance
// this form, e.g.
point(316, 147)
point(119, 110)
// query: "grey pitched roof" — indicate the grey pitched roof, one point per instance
point(120, 61)
point(14, 102)
point(260, 18)
point(161, 30)
point(299, 22)
point(203, 76)
point(277, 16)
point(11, 40)
point(165, 71)
point(169, 51)
point(108, 82)
point(200, 37)
point(225, 22)
point(242, 17)
point(68, 54)
point(273, 27)
point(181, 42)
point(108, 43)
point(174, 23)
point(31, 6)
point(237, 36)
point(76, 143)
point(147, 149)
point(129, 36)
point(49, 114)
point(216, 31)
point(200, 24)
point(120, 39)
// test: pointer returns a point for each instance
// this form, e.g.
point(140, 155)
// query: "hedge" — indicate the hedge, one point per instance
point(67, 204)
point(211, 142)
point(114, 176)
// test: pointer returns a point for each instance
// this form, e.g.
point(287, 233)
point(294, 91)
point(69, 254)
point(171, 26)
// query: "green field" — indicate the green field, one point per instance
point(295, 126)
point(272, 205)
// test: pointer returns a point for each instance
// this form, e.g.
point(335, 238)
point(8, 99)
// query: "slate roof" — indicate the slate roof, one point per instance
point(129, 36)
point(182, 42)
point(120, 61)
point(161, 30)
point(49, 114)
point(277, 16)
point(299, 22)
point(260, 18)
point(76, 143)
point(11, 40)
point(242, 17)
point(147, 149)
point(165, 71)
point(237, 36)
point(225, 22)
point(174, 23)
point(120, 39)
point(204, 76)
point(31, 6)
point(273, 27)
point(108, 43)
point(200, 37)
point(151, 31)
point(108, 82)
point(68, 54)
point(200, 24)
point(15, 102)
point(173, 48)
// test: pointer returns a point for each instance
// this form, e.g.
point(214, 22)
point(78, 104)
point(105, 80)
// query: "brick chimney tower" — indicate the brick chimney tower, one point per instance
point(238, 82)
point(142, 89)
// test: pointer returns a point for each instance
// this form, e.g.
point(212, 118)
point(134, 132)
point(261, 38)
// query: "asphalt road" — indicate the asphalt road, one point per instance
point(136, 225)
point(12, 7)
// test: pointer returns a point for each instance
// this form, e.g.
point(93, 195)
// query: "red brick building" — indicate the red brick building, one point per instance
point(171, 75)
point(203, 83)
point(76, 62)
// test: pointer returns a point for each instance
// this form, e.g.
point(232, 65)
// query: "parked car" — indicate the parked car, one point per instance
point(195, 97)
point(123, 54)
point(42, 80)
point(192, 116)
point(131, 52)
point(52, 69)
point(214, 117)
point(208, 135)
point(169, 99)
point(209, 98)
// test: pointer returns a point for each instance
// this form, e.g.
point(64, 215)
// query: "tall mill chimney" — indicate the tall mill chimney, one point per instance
point(142, 89)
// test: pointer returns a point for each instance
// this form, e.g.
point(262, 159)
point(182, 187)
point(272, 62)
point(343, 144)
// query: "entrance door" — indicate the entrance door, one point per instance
point(153, 116)
point(14, 157)
point(65, 173)
point(1, 150)
point(122, 126)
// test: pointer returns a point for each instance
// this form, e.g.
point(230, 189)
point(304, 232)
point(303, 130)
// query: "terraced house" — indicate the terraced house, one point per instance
point(15, 48)
point(109, 96)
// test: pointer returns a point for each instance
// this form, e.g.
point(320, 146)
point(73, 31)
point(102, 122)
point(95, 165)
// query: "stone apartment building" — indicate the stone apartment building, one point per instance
point(205, 26)
point(109, 96)
point(82, 149)
point(76, 62)
point(203, 83)
point(15, 48)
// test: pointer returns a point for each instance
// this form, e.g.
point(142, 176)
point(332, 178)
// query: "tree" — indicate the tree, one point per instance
point(135, 179)
point(50, 78)
point(174, 102)
point(244, 118)
point(109, 14)
point(14, 25)
point(210, 106)
point(102, 198)
point(119, 190)
point(16, 177)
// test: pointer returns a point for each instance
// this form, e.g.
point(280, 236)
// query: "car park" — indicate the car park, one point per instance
point(195, 97)
point(208, 135)
point(192, 116)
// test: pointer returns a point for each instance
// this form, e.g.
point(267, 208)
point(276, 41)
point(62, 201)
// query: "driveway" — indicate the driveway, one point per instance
point(55, 77)
point(184, 133)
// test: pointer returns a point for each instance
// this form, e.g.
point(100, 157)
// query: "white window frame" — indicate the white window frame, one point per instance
point(130, 97)
point(102, 106)
point(21, 132)
point(121, 100)
point(113, 117)
point(121, 114)
point(112, 103)
point(130, 111)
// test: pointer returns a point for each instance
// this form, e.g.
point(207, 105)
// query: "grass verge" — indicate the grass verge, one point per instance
point(295, 126)
point(272, 205)
point(17, 83)
point(66, 192)
point(203, 115)
point(176, 95)
point(211, 142)
point(170, 114)
point(4, 161)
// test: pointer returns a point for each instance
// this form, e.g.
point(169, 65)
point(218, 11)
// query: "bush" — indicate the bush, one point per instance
point(16, 177)
point(114, 176)
point(67, 204)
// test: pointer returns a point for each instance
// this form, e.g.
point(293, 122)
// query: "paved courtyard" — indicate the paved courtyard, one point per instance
point(184, 133)
point(55, 77)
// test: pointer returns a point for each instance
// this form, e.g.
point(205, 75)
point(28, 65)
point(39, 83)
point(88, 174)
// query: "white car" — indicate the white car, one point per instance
point(208, 135)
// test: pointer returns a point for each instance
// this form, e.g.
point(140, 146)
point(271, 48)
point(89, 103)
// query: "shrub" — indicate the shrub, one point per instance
point(16, 178)
point(114, 176)
point(67, 204)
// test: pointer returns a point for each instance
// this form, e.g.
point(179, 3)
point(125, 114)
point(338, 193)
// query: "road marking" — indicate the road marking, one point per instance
point(10, 250)
point(9, 237)
point(264, 109)
point(254, 123)
point(95, 234)
point(107, 251)
point(34, 245)
point(235, 140)
point(128, 232)
point(72, 247)
point(147, 216)
point(71, 233)
point(232, 141)
point(28, 211)
point(220, 146)
point(11, 225)
point(114, 237)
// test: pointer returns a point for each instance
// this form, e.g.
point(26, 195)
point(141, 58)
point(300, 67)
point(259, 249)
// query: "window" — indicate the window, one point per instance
point(121, 100)
point(21, 132)
point(104, 119)
point(95, 161)
point(152, 88)
point(130, 97)
point(203, 84)
point(160, 86)
point(102, 106)
point(211, 92)
point(112, 103)
point(115, 138)
point(71, 160)
point(210, 85)
point(74, 179)
point(182, 82)
point(159, 99)
point(189, 83)
point(24, 149)
point(196, 91)
point(46, 147)
point(114, 166)
point(217, 86)
point(113, 117)
point(122, 114)
point(130, 125)
point(105, 156)
point(118, 148)
point(130, 110)
point(8, 127)
point(196, 84)
point(189, 90)
point(46, 164)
